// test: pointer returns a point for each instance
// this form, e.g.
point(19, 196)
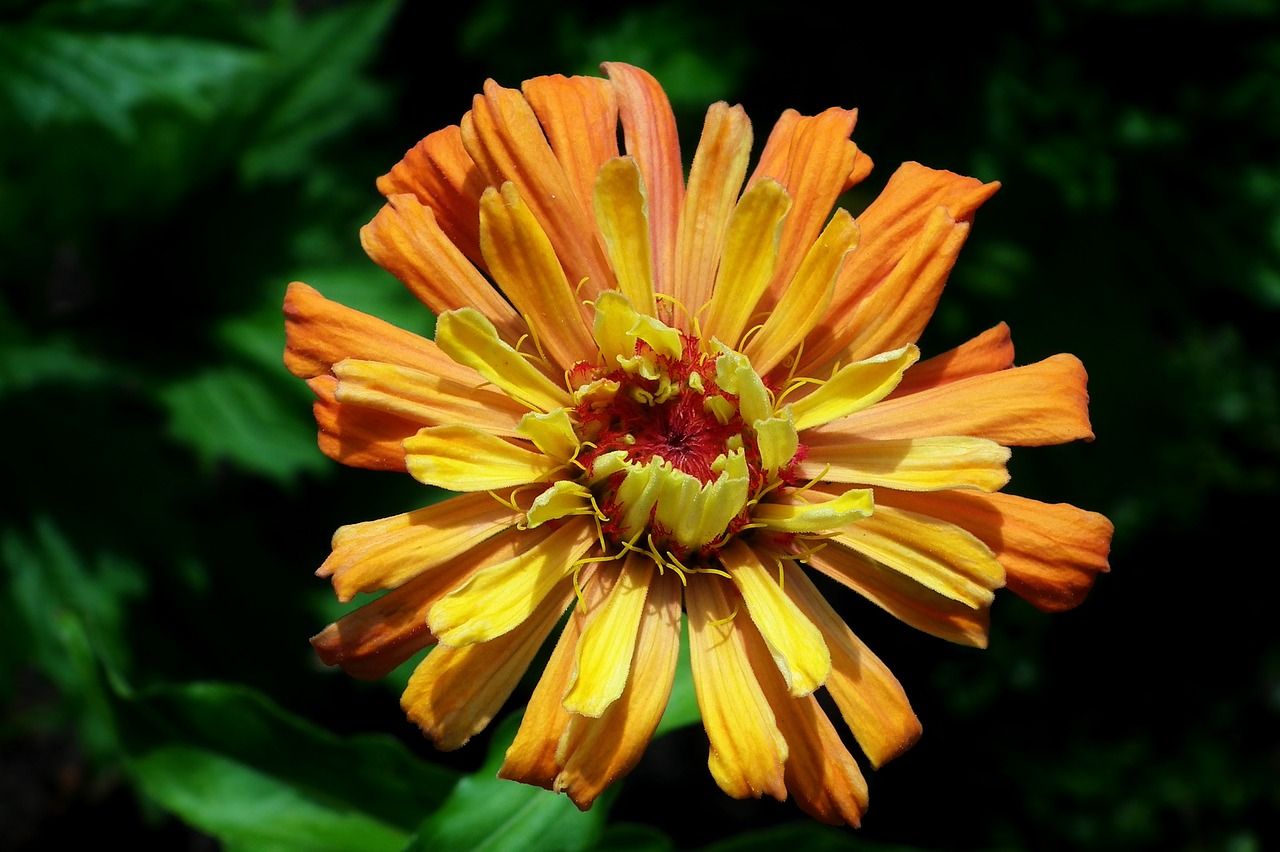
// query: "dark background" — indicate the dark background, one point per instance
point(166, 169)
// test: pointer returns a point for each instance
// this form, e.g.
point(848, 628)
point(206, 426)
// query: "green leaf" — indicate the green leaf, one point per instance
point(237, 415)
point(235, 765)
point(487, 814)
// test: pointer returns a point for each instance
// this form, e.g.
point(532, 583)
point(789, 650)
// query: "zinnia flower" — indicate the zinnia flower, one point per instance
point(659, 395)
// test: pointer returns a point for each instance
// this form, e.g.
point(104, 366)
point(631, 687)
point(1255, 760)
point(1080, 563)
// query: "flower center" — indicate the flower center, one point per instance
point(678, 444)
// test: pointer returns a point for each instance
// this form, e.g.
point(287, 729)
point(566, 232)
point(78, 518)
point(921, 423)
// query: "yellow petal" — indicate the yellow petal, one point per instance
point(735, 375)
point(902, 597)
point(459, 458)
point(500, 597)
point(821, 775)
point(455, 692)
point(750, 254)
point(470, 339)
point(603, 659)
point(525, 266)
point(917, 464)
point(623, 219)
point(406, 239)
point(1051, 553)
point(386, 553)
point(777, 440)
point(562, 499)
point(552, 433)
point(835, 514)
point(855, 387)
point(939, 556)
point(1039, 404)
point(794, 643)
point(594, 753)
point(872, 702)
point(427, 398)
point(649, 131)
point(807, 298)
point(747, 749)
point(715, 179)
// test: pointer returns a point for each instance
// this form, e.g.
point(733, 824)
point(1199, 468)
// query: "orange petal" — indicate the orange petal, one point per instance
point(377, 637)
point(715, 179)
point(359, 436)
point(818, 158)
point(425, 398)
point(987, 353)
point(593, 753)
point(527, 269)
point(502, 134)
point(820, 772)
point(580, 117)
point(903, 597)
point(892, 226)
point(405, 238)
point(1039, 404)
point(1051, 553)
point(649, 131)
point(389, 552)
point(319, 333)
point(871, 700)
point(748, 752)
point(455, 692)
point(440, 173)
point(531, 757)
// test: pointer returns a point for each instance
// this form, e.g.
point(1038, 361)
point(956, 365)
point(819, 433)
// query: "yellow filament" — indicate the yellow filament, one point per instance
point(728, 618)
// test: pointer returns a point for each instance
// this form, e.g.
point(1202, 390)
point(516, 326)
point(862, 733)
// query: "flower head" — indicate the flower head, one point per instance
point(659, 395)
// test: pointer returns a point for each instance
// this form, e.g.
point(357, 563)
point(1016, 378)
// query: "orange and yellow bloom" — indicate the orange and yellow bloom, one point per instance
point(661, 395)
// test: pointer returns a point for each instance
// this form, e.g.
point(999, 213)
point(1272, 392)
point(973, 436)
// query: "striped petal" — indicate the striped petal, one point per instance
point(915, 464)
point(440, 173)
point(603, 660)
point(425, 398)
point(748, 752)
point(459, 458)
point(807, 298)
point(593, 753)
point(872, 702)
point(503, 136)
point(470, 339)
point(580, 118)
point(1051, 553)
point(794, 643)
point(455, 692)
point(902, 597)
point(500, 597)
point(649, 133)
point(528, 270)
point(387, 553)
point(406, 239)
point(854, 505)
point(715, 179)
point(356, 435)
point(820, 773)
point(1039, 404)
point(989, 352)
point(622, 216)
point(747, 263)
point(853, 388)
point(371, 641)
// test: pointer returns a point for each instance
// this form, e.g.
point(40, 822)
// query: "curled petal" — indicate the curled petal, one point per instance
point(580, 117)
point(854, 388)
point(465, 459)
point(501, 596)
point(1051, 553)
point(603, 659)
point(623, 218)
point(356, 435)
point(871, 700)
point(386, 553)
point(455, 692)
point(748, 752)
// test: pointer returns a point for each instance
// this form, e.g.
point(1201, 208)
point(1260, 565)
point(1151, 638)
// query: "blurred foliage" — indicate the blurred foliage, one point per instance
point(166, 169)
